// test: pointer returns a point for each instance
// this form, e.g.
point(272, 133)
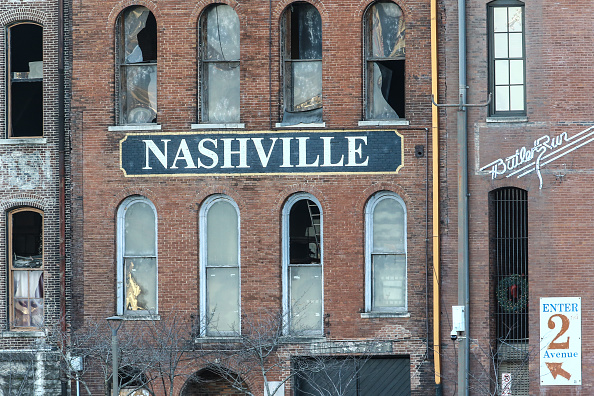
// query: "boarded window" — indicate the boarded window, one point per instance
point(302, 58)
point(26, 80)
point(219, 31)
point(137, 58)
point(385, 62)
point(26, 265)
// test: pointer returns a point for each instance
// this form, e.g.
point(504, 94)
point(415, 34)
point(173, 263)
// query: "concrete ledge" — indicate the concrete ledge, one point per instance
point(23, 141)
point(370, 315)
point(367, 123)
point(218, 126)
point(136, 127)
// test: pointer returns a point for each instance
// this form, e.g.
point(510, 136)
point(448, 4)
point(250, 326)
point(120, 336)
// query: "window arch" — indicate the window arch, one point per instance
point(385, 259)
point(220, 267)
point(137, 257)
point(137, 65)
point(25, 76)
point(301, 26)
point(384, 61)
point(303, 265)
point(25, 252)
point(219, 65)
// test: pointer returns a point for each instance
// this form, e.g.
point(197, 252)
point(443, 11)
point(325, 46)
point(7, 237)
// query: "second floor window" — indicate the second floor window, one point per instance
point(384, 61)
point(219, 70)
point(302, 64)
point(506, 58)
point(25, 103)
point(137, 66)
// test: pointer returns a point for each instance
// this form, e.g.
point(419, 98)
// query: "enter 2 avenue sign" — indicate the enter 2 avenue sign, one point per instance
point(252, 153)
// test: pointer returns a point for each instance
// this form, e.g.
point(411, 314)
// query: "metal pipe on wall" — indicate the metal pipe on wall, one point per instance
point(463, 265)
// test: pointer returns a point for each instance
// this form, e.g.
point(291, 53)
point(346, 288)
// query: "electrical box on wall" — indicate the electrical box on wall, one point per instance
point(459, 324)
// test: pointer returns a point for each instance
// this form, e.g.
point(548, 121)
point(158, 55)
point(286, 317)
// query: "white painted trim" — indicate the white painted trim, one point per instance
point(286, 259)
point(142, 315)
point(383, 122)
point(301, 125)
point(369, 209)
point(218, 126)
point(23, 141)
point(208, 203)
point(134, 127)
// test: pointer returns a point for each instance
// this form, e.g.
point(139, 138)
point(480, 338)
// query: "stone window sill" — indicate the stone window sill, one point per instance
point(219, 126)
point(370, 315)
point(23, 141)
point(301, 126)
point(368, 123)
point(506, 119)
point(134, 127)
point(22, 333)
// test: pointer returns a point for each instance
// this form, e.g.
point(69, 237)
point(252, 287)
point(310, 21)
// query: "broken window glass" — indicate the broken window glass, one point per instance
point(138, 66)
point(220, 65)
point(26, 257)
point(305, 267)
point(385, 55)
point(140, 257)
point(26, 80)
point(302, 65)
point(222, 268)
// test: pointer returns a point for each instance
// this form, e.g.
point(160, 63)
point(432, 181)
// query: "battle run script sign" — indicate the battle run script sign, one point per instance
point(561, 341)
point(253, 153)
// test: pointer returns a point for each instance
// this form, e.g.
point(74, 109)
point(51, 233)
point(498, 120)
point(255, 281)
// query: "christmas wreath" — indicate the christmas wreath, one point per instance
point(512, 293)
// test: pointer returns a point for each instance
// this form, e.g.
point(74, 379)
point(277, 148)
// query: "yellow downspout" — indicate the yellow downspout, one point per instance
point(435, 200)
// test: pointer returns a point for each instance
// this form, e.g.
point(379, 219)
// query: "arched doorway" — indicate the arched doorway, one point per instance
point(211, 382)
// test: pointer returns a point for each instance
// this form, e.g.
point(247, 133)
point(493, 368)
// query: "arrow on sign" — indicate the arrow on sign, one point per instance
point(555, 369)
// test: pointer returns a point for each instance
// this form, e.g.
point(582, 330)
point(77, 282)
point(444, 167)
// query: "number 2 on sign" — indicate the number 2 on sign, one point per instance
point(564, 327)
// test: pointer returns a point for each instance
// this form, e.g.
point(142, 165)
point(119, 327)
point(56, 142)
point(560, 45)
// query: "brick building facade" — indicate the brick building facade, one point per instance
point(282, 147)
point(33, 199)
point(529, 168)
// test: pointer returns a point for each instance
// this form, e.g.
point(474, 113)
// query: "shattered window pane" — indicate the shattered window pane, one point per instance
point(385, 62)
point(26, 80)
point(26, 250)
point(303, 64)
point(138, 72)
point(305, 267)
point(220, 65)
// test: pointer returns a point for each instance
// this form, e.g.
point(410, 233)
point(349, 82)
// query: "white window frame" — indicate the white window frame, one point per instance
point(286, 263)
point(208, 203)
point(127, 203)
point(369, 210)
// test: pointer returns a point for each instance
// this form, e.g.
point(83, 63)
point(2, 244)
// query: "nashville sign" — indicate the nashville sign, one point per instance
point(545, 150)
point(252, 153)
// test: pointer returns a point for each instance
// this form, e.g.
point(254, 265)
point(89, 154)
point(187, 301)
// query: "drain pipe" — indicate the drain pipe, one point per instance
point(463, 264)
point(435, 201)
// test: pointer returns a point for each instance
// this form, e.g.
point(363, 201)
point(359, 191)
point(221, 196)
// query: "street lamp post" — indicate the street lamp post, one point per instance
point(115, 322)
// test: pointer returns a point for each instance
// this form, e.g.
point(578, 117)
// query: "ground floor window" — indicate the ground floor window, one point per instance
point(352, 376)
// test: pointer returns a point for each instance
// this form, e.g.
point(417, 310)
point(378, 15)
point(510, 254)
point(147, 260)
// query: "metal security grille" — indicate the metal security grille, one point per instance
point(509, 265)
point(509, 227)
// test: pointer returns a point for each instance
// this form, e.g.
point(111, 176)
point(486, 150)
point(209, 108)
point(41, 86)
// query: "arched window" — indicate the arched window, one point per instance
point(302, 265)
point(137, 66)
point(219, 267)
point(385, 262)
point(137, 257)
point(25, 252)
point(302, 64)
point(25, 76)
point(219, 67)
point(384, 61)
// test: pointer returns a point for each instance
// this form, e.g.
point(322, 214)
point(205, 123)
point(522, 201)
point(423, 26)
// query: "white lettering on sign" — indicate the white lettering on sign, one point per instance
point(235, 153)
point(560, 341)
point(545, 150)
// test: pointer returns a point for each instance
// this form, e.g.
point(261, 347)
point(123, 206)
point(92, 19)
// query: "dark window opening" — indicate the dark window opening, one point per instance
point(26, 265)
point(385, 58)
point(352, 376)
point(302, 65)
point(509, 268)
point(138, 66)
point(26, 80)
point(304, 232)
